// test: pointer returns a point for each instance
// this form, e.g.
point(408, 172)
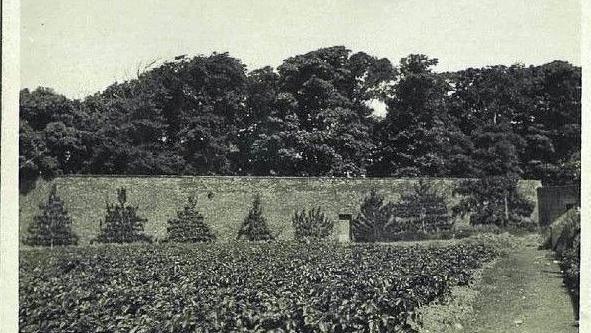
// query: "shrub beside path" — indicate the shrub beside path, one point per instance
point(523, 292)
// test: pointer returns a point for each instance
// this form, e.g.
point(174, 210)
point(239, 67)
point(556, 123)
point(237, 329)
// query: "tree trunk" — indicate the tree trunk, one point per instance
point(506, 210)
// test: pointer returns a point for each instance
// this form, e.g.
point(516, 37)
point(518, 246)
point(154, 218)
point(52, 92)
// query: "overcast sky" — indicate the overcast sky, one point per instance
point(79, 47)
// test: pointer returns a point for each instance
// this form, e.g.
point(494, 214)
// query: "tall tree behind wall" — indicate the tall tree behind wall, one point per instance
point(52, 136)
point(319, 122)
point(310, 117)
point(534, 109)
point(180, 118)
point(418, 137)
point(561, 116)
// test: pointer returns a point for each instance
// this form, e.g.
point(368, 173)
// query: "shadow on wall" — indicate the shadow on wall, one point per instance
point(553, 201)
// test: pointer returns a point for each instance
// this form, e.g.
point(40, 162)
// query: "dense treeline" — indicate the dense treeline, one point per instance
point(311, 116)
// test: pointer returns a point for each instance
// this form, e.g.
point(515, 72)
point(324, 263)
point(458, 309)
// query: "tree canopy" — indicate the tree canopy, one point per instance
point(311, 116)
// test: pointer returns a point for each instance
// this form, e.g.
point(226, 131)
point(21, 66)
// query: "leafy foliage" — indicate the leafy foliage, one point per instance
point(254, 227)
point(373, 219)
point(523, 103)
point(53, 226)
point(421, 209)
point(311, 224)
point(568, 250)
point(240, 287)
point(421, 213)
point(189, 225)
point(312, 116)
point(496, 151)
point(492, 200)
point(314, 119)
point(52, 137)
point(121, 224)
point(418, 137)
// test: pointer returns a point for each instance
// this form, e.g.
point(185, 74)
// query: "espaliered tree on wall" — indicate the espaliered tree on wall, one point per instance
point(53, 226)
point(122, 224)
point(420, 212)
point(421, 209)
point(312, 116)
point(189, 225)
point(493, 201)
point(311, 224)
point(254, 227)
point(374, 217)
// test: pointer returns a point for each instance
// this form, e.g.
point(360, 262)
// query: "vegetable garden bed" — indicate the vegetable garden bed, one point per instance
point(277, 286)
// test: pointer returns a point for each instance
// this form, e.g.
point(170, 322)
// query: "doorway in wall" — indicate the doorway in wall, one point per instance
point(344, 227)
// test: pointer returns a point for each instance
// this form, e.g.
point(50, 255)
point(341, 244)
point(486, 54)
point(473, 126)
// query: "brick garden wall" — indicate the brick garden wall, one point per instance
point(224, 201)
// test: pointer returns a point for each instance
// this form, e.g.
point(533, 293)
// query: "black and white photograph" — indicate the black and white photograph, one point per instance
point(296, 166)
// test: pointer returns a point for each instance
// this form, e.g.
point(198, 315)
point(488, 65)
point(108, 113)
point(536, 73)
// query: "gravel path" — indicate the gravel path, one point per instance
point(523, 292)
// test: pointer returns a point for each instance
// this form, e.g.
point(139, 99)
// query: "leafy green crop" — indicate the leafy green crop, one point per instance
point(279, 286)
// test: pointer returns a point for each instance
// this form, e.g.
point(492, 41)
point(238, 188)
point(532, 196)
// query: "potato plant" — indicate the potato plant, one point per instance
point(239, 287)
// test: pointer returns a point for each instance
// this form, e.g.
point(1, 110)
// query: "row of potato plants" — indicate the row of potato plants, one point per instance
point(240, 287)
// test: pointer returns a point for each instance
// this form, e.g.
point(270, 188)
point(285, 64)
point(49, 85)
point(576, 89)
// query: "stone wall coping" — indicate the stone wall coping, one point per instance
point(269, 177)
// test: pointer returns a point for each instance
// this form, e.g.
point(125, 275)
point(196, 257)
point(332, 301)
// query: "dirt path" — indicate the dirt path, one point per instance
point(523, 292)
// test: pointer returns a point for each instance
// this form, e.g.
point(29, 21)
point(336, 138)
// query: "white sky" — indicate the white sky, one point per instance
point(79, 47)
